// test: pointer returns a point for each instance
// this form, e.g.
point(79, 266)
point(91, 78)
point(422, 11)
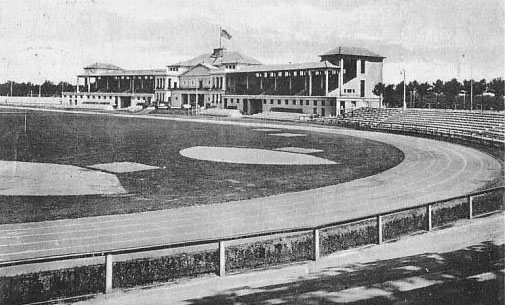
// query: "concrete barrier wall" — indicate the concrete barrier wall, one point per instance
point(54, 102)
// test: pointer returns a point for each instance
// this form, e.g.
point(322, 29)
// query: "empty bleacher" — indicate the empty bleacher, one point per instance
point(278, 116)
point(464, 124)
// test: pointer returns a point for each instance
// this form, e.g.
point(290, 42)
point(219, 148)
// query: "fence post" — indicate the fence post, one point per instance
point(429, 224)
point(379, 229)
point(222, 258)
point(470, 207)
point(108, 273)
point(315, 246)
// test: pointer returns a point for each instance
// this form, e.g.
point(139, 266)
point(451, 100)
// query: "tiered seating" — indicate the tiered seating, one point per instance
point(464, 124)
point(469, 122)
point(278, 116)
point(496, 133)
point(369, 115)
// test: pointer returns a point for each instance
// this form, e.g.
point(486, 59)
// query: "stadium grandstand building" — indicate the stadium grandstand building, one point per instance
point(342, 81)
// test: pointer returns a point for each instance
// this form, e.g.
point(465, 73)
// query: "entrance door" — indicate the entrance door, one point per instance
point(245, 108)
point(256, 106)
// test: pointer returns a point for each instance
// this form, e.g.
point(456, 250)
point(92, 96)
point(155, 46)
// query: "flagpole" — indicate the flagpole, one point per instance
point(220, 30)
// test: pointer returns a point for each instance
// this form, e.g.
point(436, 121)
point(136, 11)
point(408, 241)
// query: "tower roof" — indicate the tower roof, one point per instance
point(353, 51)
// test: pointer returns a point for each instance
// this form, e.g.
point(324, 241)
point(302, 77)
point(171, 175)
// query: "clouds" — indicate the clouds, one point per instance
point(425, 37)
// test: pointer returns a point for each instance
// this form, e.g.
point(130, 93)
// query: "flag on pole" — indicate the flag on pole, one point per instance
point(225, 34)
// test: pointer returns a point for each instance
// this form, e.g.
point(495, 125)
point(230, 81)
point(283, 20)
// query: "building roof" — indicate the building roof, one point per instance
point(103, 66)
point(287, 67)
point(124, 72)
point(227, 58)
point(355, 51)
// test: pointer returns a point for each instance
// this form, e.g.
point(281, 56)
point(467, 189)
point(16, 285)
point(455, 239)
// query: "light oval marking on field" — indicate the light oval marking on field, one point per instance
point(251, 156)
point(46, 179)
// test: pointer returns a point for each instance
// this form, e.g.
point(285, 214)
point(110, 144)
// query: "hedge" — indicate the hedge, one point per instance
point(53, 284)
point(269, 252)
point(348, 236)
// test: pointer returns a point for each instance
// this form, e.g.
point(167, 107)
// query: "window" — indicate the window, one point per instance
point(363, 66)
point(323, 103)
point(307, 103)
point(286, 102)
point(315, 103)
point(362, 89)
point(264, 102)
point(271, 102)
point(294, 102)
point(353, 103)
point(278, 102)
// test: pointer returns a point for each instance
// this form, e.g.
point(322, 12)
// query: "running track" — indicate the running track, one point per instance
point(431, 171)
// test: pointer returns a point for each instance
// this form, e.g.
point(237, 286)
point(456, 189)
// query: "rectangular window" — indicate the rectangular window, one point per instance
point(286, 102)
point(362, 88)
point(307, 103)
point(323, 103)
point(294, 102)
point(278, 102)
point(363, 66)
point(315, 103)
point(271, 102)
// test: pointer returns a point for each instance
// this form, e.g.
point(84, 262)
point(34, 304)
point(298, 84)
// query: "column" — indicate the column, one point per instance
point(108, 273)
point(107, 83)
point(310, 83)
point(315, 246)
point(275, 81)
point(224, 83)
point(88, 83)
point(247, 81)
point(341, 76)
point(326, 82)
point(222, 259)
point(290, 81)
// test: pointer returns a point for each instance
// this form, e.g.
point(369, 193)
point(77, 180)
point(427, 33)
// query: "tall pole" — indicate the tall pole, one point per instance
point(404, 92)
point(471, 94)
point(11, 87)
point(471, 86)
point(220, 30)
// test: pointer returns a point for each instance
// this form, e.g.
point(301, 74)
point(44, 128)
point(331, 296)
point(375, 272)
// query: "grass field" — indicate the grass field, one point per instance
point(85, 140)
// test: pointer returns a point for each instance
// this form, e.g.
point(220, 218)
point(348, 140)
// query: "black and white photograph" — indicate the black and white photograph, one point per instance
point(252, 152)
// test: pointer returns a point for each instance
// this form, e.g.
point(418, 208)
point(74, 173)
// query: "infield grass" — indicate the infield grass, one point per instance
point(84, 140)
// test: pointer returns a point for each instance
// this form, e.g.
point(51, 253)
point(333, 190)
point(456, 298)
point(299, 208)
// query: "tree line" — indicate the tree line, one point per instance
point(452, 94)
point(47, 88)
point(487, 95)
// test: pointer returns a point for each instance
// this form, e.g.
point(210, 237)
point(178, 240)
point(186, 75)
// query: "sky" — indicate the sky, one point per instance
point(430, 39)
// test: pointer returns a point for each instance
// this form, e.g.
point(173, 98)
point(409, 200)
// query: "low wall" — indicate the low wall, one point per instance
point(53, 102)
point(243, 254)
